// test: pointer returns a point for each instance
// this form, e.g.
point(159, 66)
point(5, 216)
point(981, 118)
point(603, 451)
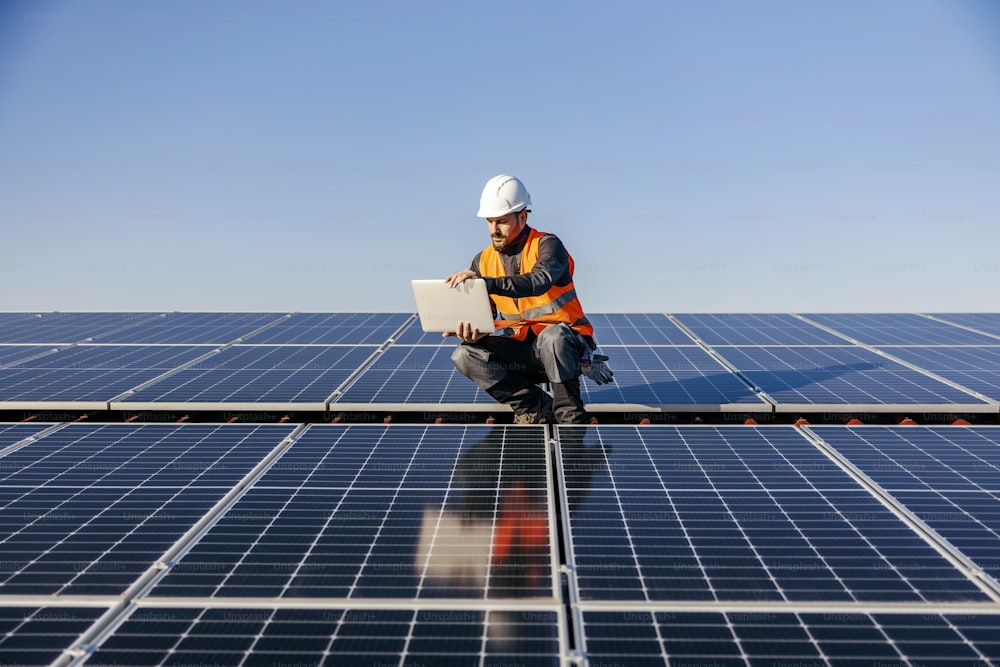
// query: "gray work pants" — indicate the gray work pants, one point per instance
point(510, 370)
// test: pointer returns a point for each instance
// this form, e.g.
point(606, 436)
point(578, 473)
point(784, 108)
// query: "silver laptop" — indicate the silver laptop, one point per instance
point(441, 307)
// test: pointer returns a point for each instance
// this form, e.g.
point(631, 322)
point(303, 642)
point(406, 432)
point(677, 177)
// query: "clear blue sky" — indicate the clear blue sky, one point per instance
point(734, 156)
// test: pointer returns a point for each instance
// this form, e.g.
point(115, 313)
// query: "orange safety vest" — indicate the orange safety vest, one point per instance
point(558, 304)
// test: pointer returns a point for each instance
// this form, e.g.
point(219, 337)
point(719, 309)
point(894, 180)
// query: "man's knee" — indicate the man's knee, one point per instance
point(465, 360)
point(558, 350)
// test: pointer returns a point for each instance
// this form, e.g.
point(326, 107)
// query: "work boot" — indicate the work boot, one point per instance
point(541, 415)
point(567, 407)
point(520, 394)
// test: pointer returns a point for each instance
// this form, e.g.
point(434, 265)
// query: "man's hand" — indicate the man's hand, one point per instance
point(466, 333)
point(455, 279)
point(597, 369)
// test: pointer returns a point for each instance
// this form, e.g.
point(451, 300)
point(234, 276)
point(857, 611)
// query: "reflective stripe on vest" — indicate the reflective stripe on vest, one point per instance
point(558, 304)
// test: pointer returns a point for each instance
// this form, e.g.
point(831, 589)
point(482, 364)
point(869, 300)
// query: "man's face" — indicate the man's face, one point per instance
point(504, 230)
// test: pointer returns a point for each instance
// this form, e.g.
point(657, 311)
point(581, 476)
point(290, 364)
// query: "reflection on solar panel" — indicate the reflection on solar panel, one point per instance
point(637, 329)
point(414, 376)
point(87, 509)
point(332, 328)
point(254, 375)
point(755, 329)
point(727, 514)
point(898, 329)
point(89, 373)
point(38, 635)
point(407, 512)
point(948, 477)
point(335, 636)
point(835, 378)
point(675, 378)
point(53, 328)
point(752, 638)
point(973, 367)
point(193, 328)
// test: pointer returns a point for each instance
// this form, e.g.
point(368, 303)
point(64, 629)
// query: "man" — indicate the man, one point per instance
point(542, 332)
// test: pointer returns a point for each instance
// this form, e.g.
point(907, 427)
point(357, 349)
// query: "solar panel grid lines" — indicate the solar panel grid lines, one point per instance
point(981, 323)
point(336, 635)
point(944, 481)
point(76, 536)
point(754, 329)
point(63, 328)
point(194, 328)
point(40, 634)
point(976, 368)
point(835, 378)
point(375, 511)
point(790, 638)
point(637, 329)
point(333, 329)
point(681, 378)
point(11, 355)
point(895, 329)
point(254, 377)
point(724, 525)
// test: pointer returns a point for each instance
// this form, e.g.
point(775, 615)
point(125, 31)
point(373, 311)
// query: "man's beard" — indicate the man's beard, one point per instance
point(499, 243)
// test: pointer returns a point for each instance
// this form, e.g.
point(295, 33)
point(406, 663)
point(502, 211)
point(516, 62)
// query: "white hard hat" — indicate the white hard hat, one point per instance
point(503, 194)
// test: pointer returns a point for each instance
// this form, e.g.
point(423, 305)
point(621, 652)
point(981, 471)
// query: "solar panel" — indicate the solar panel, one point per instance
point(64, 328)
point(947, 477)
point(12, 354)
point(414, 335)
point(988, 323)
point(754, 638)
point(87, 509)
point(192, 328)
point(730, 514)
point(336, 636)
point(974, 367)
point(38, 635)
point(669, 378)
point(89, 375)
point(898, 329)
point(413, 377)
point(755, 329)
point(833, 378)
point(401, 512)
point(637, 329)
point(332, 328)
point(254, 376)
point(11, 434)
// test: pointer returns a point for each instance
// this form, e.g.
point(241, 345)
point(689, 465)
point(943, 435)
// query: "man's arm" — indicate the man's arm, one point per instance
point(552, 268)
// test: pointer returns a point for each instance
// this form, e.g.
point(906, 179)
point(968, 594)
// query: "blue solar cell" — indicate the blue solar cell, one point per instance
point(839, 376)
point(38, 635)
point(413, 375)
point(430, 512)
point(11, 434)
point(90, 372)
point(637, 329)
point(332, 328)
point(12, 354)
point(258, 374)
point(755, 329)
point(664, 514)
point(898, 329)
point(973, 367)
point(335, 636)
point(750, 639)
point(669, 376)
point(55, 328)
point(988, 323)
point(192, 328)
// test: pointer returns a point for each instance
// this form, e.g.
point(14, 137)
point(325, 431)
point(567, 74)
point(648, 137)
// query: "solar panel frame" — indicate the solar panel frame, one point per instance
point(87, 377)
point(40, 635)
point(68, 534)
point(898, 329)
point(977, 368)
point(253, 377)
point(845, 378)
point(347, 511)
point(332, 329)
point(647, 523)
point(987, 323)
point(754, 329)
